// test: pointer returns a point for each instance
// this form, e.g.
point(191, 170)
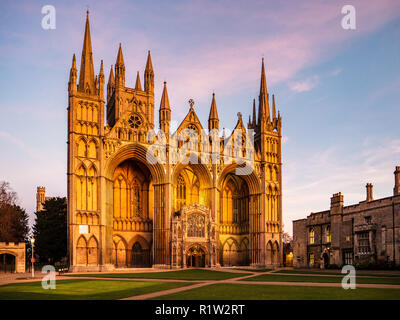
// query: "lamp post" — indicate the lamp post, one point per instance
point(33, 259)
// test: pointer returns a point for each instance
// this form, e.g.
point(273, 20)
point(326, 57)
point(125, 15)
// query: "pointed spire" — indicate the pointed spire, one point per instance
point(110, 84)
point(165, 110)
point(120, 68)
point(111, 80)
point(254, 114)
point(101, 69)
point(164, 99)
point(149, 75)
point(74, 62)
point(120, 57)
point(213, 120)
point(213, 110)
point(86, 75)
point(263, 111)
point(138, 85)
point(273, 107)
point(149, 64)
point(72, 75)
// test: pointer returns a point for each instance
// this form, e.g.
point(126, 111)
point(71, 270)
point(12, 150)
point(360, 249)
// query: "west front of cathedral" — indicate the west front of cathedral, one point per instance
point(127, 209)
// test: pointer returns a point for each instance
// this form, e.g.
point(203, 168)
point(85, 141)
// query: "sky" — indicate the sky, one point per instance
point(337, 90)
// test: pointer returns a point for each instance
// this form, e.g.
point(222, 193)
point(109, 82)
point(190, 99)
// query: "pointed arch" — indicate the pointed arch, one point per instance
point(268, 255)
point(81, 148)
point(93, 249)
point(81, 251)
point(92, 149)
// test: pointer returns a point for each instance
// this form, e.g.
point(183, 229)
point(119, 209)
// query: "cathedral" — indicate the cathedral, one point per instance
point(128, 207)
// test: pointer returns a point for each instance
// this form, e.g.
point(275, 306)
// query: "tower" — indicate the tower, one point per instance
point(40, 198)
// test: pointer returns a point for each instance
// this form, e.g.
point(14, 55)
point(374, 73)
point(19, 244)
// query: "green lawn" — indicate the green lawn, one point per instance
point(253, 270)
point(187, 274)
point(224, 291)
point(84, 289)
point(335, 272)
point(326, 279)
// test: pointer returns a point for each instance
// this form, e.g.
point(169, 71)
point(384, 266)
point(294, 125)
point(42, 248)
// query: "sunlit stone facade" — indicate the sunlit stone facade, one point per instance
point(126, 211)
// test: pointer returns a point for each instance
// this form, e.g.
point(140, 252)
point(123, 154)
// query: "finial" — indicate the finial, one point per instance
point(191, 102)
point(239, 114)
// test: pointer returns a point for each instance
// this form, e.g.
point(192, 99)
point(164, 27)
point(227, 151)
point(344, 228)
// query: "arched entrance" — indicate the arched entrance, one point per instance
point(140, 256)
point(7, 262)
point(196, 257)
point(325, 258)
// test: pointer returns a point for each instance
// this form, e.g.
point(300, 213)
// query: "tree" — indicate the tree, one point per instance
point(13, 219)
point(50, 231)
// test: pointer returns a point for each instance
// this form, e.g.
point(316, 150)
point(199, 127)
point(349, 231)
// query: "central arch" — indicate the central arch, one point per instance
point(195, 257)
point(134, 187)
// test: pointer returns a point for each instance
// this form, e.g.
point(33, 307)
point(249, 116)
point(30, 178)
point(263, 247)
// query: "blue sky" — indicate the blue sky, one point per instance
point(337, 90)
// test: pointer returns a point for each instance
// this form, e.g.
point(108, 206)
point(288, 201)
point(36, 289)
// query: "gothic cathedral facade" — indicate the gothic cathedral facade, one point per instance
point(126, 211)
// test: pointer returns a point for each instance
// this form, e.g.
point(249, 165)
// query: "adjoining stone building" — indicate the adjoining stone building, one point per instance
point(125, 211)
point(13, 253)
point(364, 232)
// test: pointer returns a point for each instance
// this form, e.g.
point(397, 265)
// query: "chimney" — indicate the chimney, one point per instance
point(337, 203)
point(370, 195)
point(396, 189)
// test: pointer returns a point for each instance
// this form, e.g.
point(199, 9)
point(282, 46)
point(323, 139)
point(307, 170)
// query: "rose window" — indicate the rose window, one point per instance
point(135, 122)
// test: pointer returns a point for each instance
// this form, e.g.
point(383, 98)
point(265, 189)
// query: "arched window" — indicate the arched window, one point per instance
point(328, 234)
point(311, 235)
point(196, 226)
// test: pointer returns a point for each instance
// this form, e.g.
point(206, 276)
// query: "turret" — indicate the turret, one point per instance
point(149, 76)
point(86, 73)
point(72, 76)
point(120, 69)
point(213, 120)
point(165, 111)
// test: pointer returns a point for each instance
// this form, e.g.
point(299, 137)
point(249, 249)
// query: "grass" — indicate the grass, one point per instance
point(84, 289)
point(187, 274)
point(227, 291)
point(253, 270)
point(326, 279)
point(335, 272)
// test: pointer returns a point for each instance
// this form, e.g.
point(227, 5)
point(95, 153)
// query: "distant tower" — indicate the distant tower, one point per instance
point(40, 198)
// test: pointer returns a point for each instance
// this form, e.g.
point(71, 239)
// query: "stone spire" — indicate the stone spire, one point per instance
point(138, 85)
point(273, 108)
point(110, 84)
point(72, 75)
point(101, 80)
point(86, 74)
point(165, 110)
point(263, 111)
point(213, 120)
point(120, 68)
point(254, 114)
point(149, 75)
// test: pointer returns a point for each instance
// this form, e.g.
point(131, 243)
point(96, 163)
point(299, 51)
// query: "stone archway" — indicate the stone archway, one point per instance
point(13, 256)
point(195, 257)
